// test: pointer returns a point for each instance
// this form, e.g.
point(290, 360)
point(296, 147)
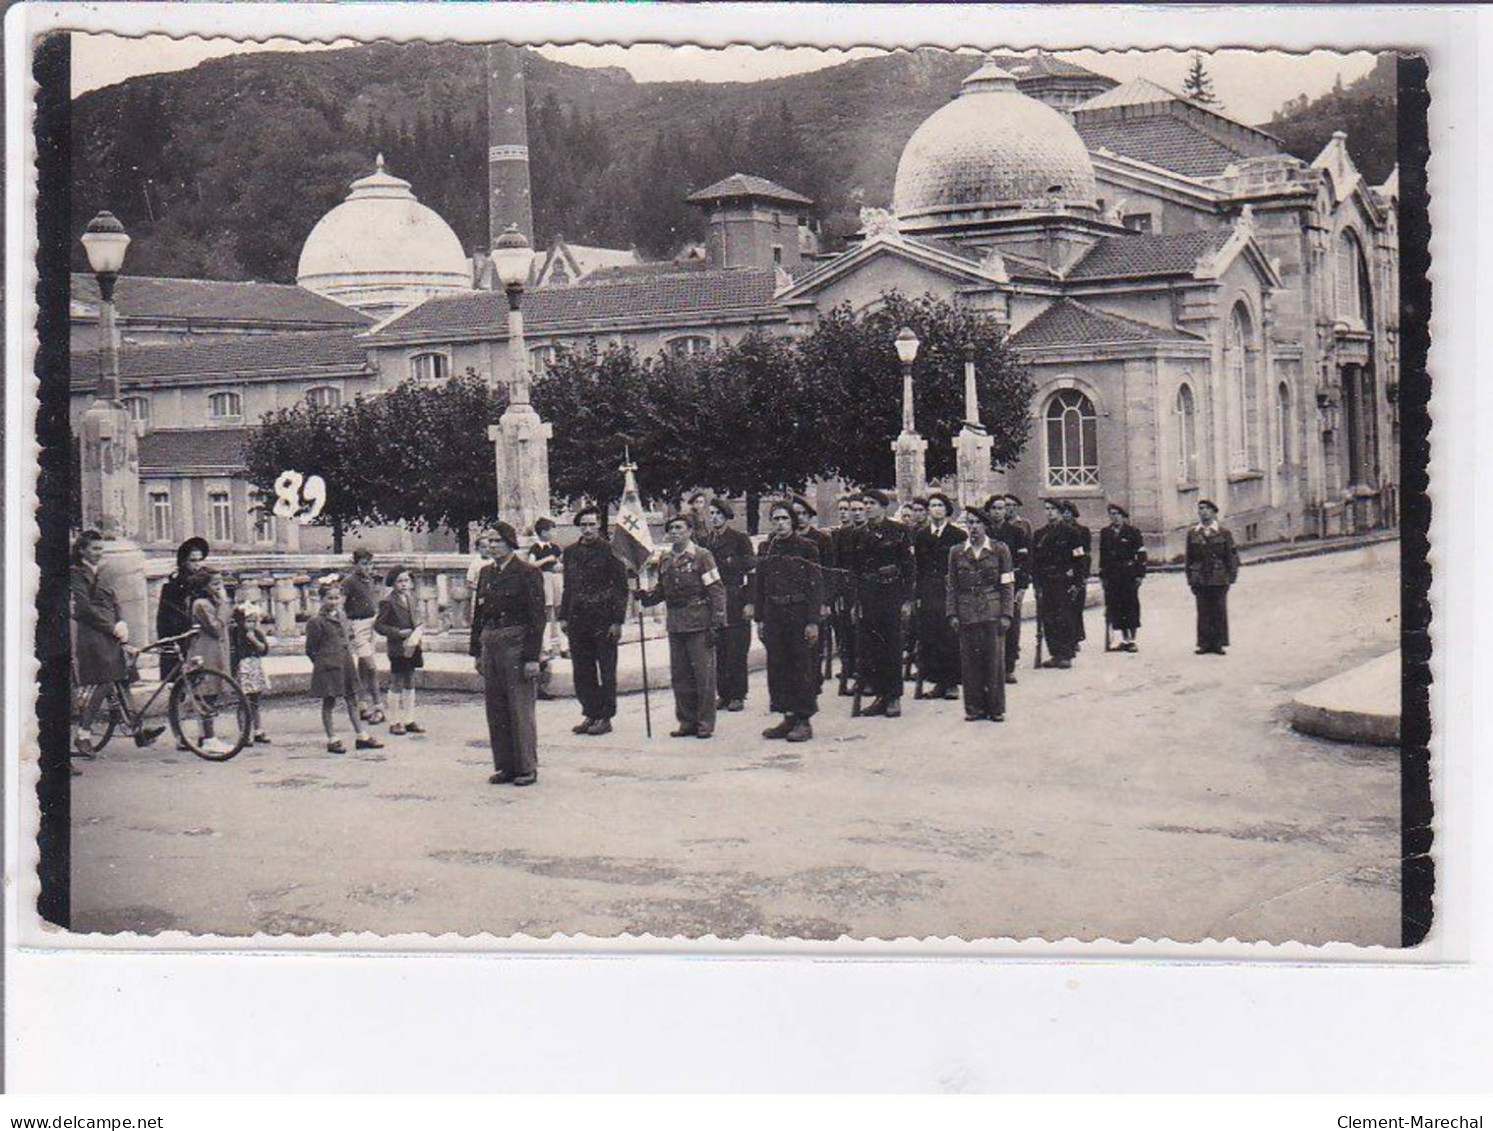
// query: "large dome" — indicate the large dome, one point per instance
point(381, 250)
point(992, 149)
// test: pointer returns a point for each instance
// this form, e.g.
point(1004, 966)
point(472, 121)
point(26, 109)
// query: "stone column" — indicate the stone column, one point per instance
point(909, 448)
point(973, 446)
point(521, 438)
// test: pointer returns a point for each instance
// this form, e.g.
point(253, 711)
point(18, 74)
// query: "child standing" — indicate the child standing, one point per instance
point(334, 672)
point(247, 646)
point(399, 624)
point(546, 554)
point(209, 615)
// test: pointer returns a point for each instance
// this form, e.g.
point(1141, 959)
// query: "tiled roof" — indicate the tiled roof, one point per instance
point(1017, 267)
point(745, 185)
point(697, 294)
point(1043, 65)
point(1136, 92)
point(643, 271)
point(1070, 323)
point(1162, 140)
point(210, 300)
point(176, 448)
point(1140, 256)
point(251, 353)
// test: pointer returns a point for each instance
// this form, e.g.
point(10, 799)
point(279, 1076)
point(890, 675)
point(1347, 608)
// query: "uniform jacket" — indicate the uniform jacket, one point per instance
point(824, 545)
point(980, 589)
point(1212, 559)
point(358, 598)
point(395, 621)
point(1122, 553)
point(843, 541)
point(735, 558)
point(788, 576)
point(884, 565)
point(1060, 554)
point(1017, 536)
point(510, 596)
point(689, 584)
point(327, 643)
point(98, 656)
point(595, 587)
point(174, 612)
point(931, 554)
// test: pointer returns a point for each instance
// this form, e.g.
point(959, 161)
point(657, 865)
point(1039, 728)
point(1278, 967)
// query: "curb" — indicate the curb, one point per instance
point(1350, 707)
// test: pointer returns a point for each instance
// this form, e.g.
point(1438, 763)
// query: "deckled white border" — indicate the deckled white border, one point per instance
point(1449, 37)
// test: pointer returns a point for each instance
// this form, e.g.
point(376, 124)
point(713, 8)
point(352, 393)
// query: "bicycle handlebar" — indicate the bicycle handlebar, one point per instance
point(170, 640)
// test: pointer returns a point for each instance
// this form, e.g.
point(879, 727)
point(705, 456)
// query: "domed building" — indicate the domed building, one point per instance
point(381, 250)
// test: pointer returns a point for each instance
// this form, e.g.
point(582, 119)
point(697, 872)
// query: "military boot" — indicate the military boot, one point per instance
point(801, 731)
point(783, 729)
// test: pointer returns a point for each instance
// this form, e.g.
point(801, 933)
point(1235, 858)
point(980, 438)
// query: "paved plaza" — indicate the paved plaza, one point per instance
point(1152, 795)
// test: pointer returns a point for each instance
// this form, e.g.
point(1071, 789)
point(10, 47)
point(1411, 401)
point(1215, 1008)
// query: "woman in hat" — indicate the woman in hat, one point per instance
point(980, 584)
point(937, 643)
point(1122, 565)
point(174, 613)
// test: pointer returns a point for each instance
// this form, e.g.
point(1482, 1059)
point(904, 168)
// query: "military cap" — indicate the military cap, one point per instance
point(1121, 511)
point(877, 496)
point(1209, 503)
point(800, 501)
point(1068, 507)
point(1014, 500)
point(722, 506)
point(980, 513)
point(506, 532)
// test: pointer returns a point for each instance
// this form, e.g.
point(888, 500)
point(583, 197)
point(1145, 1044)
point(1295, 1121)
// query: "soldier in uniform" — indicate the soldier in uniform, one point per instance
point(1016, 533)
point(735, 557)
point(1079, 592)
point(1212, 566)
point(980, 585)
point(593, 607)
point(804, 515)
point(938, 643)
point(788, 601)
point(845, 539)
point(1122, 565)
point(1059, 567)
point(885, 580)
point(508, 621)
point(689, 584)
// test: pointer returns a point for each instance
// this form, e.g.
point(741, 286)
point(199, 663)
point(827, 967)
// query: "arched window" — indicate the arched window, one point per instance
point(1239, 374)
point(225, 406)
point(324, 396)
point(1072, 440)
point(139, 409)
point(1352, 277)
point(1283, 419)
point(1187, 436)
point(689, 346)
point(430, 367)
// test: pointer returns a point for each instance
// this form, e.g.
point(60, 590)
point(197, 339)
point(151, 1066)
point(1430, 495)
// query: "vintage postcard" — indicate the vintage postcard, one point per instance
point(498, 491)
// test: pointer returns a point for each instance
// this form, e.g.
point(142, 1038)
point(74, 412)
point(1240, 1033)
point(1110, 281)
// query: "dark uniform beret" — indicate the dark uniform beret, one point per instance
point(1014, 500)
point(980, 513)
point(1069, 507)
point(1209, 503)
point(506, 532)
point(1121, 511)
point(724, 507)
point(875, 496)
point(800, 501)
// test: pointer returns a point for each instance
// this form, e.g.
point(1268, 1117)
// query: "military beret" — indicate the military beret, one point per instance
point(724, 507)
point(980, 513)
point(876, 496)
point(1013, 500)
point(800, 501)
point(673, 518)
point(1209, 503)
point(506, 532)
point(1121, 511)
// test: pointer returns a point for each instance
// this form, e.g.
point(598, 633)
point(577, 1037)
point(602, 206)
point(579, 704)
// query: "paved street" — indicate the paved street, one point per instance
point(1155, 795)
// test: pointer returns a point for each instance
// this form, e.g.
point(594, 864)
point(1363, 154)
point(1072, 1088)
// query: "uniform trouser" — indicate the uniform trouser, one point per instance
point(982, 657)
point(845, 626)
point(1213, 615)
point(938, 645)
point(792, 662)
point(1077, 595)
point(1013, 634)
point(593, 657)
point(692, 672)
point(1122, 603)
point(879, 644)
point(732, 646)
point(1055, 610)
point(510, 702)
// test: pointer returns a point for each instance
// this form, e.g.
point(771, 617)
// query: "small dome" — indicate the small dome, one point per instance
point(381, 250)
point(992, 148)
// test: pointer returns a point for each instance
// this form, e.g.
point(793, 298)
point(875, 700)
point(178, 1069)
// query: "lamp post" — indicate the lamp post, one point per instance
point(909, 448)
point(521, 439)
point(973, 445)
point(110, 471)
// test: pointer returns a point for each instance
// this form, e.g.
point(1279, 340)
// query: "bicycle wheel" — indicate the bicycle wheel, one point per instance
point(210, 713)
point(95, 719)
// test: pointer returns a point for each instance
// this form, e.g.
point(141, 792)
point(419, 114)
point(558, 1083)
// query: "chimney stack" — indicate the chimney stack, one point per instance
point(508, 144)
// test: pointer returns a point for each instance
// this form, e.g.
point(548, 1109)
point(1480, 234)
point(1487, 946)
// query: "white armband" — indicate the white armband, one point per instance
point(1008, 578)
point(710, 577)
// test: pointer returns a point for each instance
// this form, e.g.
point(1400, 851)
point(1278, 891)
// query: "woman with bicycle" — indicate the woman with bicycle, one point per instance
point(100, 633)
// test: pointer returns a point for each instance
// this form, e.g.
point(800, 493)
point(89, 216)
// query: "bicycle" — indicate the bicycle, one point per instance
point(198, 699)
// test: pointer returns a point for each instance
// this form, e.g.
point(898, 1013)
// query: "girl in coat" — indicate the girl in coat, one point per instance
point(209, 613)
point(334, 672)
point(399, 623)
point(248, 645)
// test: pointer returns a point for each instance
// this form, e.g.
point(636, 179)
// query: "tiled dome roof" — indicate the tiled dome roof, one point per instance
point(992, 148)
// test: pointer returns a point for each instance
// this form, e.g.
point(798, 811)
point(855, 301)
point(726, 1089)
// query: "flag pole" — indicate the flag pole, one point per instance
point(629, 486)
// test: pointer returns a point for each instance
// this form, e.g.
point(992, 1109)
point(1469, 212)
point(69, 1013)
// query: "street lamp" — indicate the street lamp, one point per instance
point(105, 241)
point(511, 257)
point(909, 448)
point(907, 349)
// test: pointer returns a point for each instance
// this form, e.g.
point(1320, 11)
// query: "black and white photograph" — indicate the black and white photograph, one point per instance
point(552, 492)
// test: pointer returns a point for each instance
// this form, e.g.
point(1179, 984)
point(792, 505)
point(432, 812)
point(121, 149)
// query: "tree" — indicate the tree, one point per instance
point(851, 371)
point(314, 441)
point(1198, 85)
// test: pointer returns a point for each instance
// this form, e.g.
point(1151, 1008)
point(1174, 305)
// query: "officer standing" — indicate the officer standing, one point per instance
point(980, 587)
point(885, 579)
point(845, 539)
point(690, 586)
point(735, 558)
point(593, 607)
point(1058, 568)
point(788, 599)
point(1212, 566)
point(1122, 565)
point(1016, 533)
point(938, 643)
point(1079, 592)
point(507, 631)
point(804, 515)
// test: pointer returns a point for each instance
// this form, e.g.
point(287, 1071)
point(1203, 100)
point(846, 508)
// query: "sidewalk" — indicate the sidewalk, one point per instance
point(1360, 705)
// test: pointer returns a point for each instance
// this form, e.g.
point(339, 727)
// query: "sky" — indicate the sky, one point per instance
point(1252, 85)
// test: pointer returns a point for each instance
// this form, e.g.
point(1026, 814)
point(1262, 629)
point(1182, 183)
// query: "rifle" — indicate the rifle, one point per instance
point(1037, 650)
point(1108, 647)
point(860, 662)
